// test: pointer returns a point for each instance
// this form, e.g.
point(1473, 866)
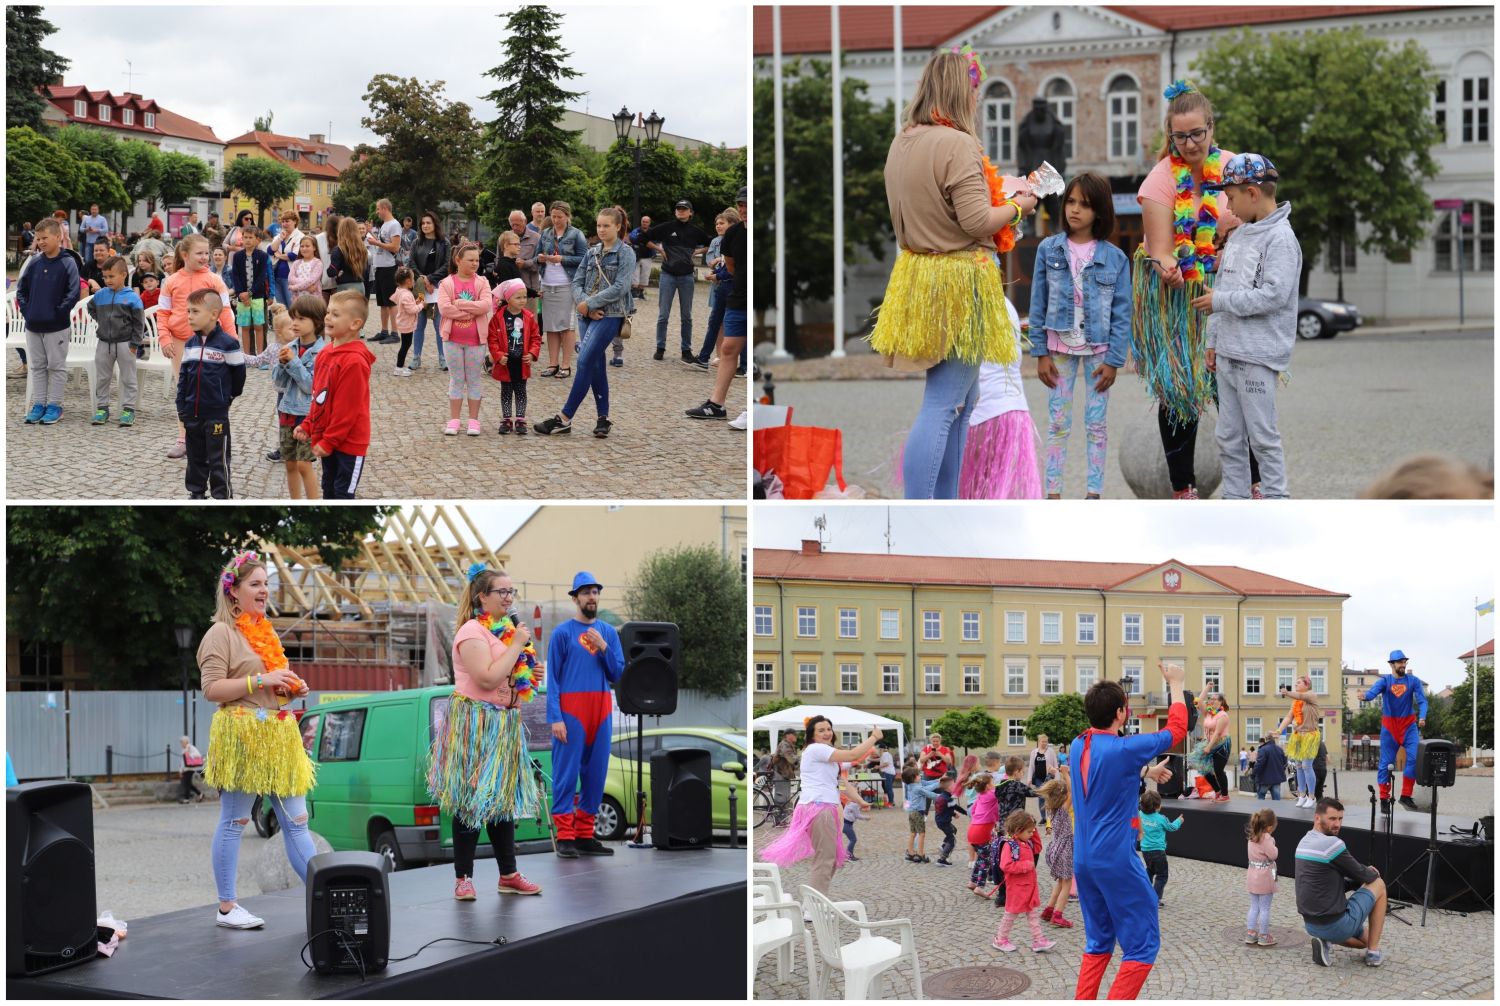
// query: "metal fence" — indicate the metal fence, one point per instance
point(54, 735)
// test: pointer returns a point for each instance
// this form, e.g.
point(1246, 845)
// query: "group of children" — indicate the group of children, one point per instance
point(1080, 333)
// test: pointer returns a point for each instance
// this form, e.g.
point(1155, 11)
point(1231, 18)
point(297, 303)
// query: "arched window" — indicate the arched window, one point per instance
point(1124, 118)
point(1476, 230)
point(998, 123)
point(1060, 98)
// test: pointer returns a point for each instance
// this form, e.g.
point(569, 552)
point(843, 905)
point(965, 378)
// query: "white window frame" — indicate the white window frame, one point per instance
point(1254, 671)
point(106, 114)
point(769, 613)
point(80, 108)
point(1015, 733)
point(1019, 665)
point(1321, 624)
point(890, 611)
point(853, 617)
point(1052, 672)
point(927, 723)
point(930, 624)
point(1054, 638)
point(1318, 672)
point(1166, 636)
point(1213, 671)
point(1133, 726)
point(127, 116)
point(999, 133)
point(1065, 108)
point(1252, 730)
point(1474, 238)
point(969, 619)
point(767, 668)
point(1136, 671)
point(1289, 669)
point(1015, 639)
point(927, 670)
point(1124, 114)
point(1085, 683)
point(976, 679)
point(1475, 110)
point(1217, 621)
point(802, 667)
point(1258, 637)
point(1140, 628)
point(150, 119)
point(1092, 620)
point(802, 612)
point(850, 738)
point(1288, 622)
point(844, 668)
point(885, 669)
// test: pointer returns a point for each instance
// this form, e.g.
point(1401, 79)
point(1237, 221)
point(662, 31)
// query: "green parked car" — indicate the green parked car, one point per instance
point(371, 793)
point(727, 755)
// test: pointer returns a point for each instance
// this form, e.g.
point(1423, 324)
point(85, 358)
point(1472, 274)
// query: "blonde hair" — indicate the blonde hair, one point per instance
point(225, 607)
point(1055, 792)
point(509, 238)
point(468, 601)
point(1432, 477)
point(187, 244)
point(1184, 104)
point(355, 300)
point(945, 89)
point(730, 216)
point(351, 245)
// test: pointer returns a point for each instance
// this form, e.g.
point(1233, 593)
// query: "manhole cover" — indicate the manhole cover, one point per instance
point(1284, 937)
point(976, 983)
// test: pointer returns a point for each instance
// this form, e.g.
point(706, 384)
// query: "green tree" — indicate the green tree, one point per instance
point(1350, 118)
point(1061, 718)
point(663, 178)
point(698, 588)
point(29, 66)
point(99, 183)
point(91, 145)
point(973, 729)
point(808, 158)
point(181, 177)
point(140, 170)
point(428, 145)
point(582, 186)
point(1461, 711)
point(1366, 721)
point(714, 177)
point(113, 581)
point(525, 150)
point(762, 738)
point(40, 175)
point(261, 180)
point(262, 123)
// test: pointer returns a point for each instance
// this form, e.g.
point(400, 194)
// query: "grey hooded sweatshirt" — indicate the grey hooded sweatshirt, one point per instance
point(1255, 295)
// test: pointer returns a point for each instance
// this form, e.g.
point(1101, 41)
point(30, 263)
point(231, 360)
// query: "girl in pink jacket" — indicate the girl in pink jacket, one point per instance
point(1018, 862)
point(1260, 877)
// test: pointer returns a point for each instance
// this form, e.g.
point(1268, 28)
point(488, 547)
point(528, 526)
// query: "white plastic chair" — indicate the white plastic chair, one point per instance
point(83, 333)
point(157, 360)
point(775, 925)
point(15, 333)
point(862, 961)
point(768, 874)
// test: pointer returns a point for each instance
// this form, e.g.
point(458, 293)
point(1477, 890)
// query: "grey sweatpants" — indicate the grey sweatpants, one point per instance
point(47, 358)
point(107, 356)
point(1247, 422)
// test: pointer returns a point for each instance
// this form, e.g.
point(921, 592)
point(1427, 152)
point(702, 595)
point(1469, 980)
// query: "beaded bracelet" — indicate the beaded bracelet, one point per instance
point(258, 682)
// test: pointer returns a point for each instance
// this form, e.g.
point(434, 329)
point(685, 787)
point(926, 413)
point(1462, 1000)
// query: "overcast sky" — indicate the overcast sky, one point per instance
point(309, 63)
point(1412, 571)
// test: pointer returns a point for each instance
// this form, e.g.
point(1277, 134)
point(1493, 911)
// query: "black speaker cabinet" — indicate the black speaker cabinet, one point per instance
point(681, 799)
point(1437, 762)
point(50, 909)
point(348, 912)
point(648, 687)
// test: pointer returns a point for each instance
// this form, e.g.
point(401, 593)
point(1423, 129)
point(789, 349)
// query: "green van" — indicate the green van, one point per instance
point(371, 793)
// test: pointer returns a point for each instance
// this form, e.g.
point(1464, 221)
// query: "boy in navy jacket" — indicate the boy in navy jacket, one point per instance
point(212, 376)
point(46, 294)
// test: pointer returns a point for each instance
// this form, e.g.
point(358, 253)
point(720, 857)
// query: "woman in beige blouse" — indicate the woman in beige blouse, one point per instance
point(255, 746)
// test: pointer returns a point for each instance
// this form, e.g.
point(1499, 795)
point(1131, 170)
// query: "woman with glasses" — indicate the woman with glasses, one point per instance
point(478, 770)
point(1184, 228)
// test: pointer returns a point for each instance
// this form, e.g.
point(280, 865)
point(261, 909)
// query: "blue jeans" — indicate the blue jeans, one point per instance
point(281, 289)
point(590, 371)
point(1258, 918)
point(1349, 925)
point(935, 446)
point(235, 807)
point(1275, 791)
point(682, 288)
point(1307, 779)
point(849, 834)
point(718, 298)
point(437, 326)
point(889, 780)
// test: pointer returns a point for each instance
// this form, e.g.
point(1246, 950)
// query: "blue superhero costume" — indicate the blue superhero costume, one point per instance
point(1403, 701)
point(579, 697)
point(1116, 898)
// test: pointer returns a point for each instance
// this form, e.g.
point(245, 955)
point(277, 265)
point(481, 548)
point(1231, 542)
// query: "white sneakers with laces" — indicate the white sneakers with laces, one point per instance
point(238, 918)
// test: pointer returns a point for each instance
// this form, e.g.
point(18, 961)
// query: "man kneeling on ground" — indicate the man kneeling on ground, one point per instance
point(1323, 861)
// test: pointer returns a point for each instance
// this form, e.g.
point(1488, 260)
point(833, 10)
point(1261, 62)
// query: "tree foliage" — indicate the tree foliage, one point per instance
point(427, 150)
point(525, 150)
point(714, 177)
point(1349, 116)
point(40, 174)
point(762, 738)
point(1061, 718)
point(180, 177)
point(975, 728)
point(1366, 721)
point(113, 581)
point(262, 123)
point(140, 170)
point(698, 588)
point(87, 144)
point(261, 180)
point(29, 66)
point(99, 183)
point(663, 178)
point(808, 159)
point(1461, 709)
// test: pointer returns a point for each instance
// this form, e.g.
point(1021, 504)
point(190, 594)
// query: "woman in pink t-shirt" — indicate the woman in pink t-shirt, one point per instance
point(478, 770)
point(1181, 251)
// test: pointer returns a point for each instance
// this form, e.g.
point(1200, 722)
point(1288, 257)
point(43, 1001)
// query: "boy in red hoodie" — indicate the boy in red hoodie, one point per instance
point(338, 423)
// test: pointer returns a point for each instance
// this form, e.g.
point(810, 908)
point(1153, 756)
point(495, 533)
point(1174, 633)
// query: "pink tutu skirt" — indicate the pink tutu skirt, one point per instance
point(796, 844)
point(1000, 460)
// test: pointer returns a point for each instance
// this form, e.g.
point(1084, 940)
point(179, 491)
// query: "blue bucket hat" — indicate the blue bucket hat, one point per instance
point(1395, 656)
point(584, 579)
point(1246, 169)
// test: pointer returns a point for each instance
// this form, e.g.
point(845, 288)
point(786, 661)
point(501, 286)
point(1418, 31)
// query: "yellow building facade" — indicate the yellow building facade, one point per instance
point(319, 176)
point(918, 636)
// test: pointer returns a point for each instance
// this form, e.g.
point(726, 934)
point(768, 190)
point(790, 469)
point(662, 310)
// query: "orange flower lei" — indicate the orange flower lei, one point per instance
point(1005, 237)
point(263, 640)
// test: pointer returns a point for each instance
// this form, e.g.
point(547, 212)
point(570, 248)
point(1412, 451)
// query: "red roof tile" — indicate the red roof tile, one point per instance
point(1485, 650)
point(180, 125)
point(272, 142)
point(865, 567)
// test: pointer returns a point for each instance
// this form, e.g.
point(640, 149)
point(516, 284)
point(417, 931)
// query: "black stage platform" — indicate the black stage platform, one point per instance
point(1215, 833)
point(641, 923)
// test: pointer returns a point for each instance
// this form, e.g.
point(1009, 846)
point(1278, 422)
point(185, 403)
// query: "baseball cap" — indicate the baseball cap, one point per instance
point(742, 195)
point(1244, 169)
point(683, 204)
point(1395, 656)
point(584, 579)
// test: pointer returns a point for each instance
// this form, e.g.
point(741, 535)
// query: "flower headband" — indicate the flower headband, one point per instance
point(475, 569)
point(977, 75)
point(231, 571)
point(1178, 87)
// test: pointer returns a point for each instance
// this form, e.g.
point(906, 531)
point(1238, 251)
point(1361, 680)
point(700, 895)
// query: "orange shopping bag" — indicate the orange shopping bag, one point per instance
point(801, 456)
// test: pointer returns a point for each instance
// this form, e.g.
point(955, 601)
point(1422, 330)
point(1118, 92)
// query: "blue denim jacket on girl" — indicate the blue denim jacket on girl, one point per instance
point(603, 280)
point(1106, 298)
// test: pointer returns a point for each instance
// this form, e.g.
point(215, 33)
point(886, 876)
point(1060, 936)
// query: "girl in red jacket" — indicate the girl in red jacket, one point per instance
point(515, 344)
point(1018, 862)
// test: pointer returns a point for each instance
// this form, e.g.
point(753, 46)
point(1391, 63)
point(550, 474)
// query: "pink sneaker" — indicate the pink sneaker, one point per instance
point(1043, 946)
point(464, 889)
point(1007, 946)
point(451, 430)
point(517, 884)
point(1060, 922)
point(1190, 493)
point(473, 427)
point(1255, 492)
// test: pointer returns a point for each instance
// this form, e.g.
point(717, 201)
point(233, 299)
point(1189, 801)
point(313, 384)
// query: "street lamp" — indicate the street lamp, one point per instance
point(184, 633)
point(623, 121)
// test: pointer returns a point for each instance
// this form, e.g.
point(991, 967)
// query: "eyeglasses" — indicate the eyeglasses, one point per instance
point(503, 591)
point(1194, 137)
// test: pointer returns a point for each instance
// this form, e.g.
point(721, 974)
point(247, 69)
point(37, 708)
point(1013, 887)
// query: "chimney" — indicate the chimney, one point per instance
point(811, 546)
point(315, 137)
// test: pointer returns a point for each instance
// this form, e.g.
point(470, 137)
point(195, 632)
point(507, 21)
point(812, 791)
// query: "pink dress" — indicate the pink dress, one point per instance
point(1018, 863)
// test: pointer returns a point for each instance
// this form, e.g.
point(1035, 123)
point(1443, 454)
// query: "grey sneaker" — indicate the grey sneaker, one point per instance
point(1322, 952)
point(1374, 958)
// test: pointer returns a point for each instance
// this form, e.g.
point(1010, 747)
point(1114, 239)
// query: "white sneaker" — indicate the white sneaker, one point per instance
point(740, 422)
point(402, 371)
point(238, 918)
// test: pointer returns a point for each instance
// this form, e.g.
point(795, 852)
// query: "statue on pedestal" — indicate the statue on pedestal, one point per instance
point(1041, 137)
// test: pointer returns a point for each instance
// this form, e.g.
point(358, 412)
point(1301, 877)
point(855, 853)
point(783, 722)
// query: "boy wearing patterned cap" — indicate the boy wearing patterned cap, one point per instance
point(1252, 324)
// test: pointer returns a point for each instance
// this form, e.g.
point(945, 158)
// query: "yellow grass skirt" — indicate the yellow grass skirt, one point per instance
point(945, 307)
point(257, 751)
point(1302, 745)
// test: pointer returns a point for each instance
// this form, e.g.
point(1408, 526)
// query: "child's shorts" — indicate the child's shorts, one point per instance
point(253, 313)
point(293, 449)
point(917, 822)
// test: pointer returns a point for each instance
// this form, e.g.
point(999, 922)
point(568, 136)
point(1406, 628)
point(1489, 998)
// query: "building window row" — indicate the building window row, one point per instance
point(1123, 123)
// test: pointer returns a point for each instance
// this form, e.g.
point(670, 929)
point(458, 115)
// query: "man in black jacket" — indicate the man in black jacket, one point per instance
point(679, 240)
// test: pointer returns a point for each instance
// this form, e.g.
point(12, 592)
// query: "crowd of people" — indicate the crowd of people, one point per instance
point(296, 304)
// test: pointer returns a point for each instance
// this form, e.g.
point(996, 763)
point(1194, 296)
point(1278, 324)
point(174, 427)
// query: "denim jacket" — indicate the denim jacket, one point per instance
point(573, 246)
point(294, 379)
point(919, 795)
point(619, 269)
point(1106, 298)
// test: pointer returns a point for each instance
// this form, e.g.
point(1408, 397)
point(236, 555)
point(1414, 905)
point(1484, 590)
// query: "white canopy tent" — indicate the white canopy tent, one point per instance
point(842, 718)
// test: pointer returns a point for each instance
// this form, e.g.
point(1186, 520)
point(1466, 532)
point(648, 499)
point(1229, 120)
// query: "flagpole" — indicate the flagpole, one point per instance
point(783, 309)
point(838, 185)
point(1474, 689)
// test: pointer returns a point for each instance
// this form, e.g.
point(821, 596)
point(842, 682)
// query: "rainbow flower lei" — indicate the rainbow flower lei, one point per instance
point(523, 678)
point(1193, 239)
